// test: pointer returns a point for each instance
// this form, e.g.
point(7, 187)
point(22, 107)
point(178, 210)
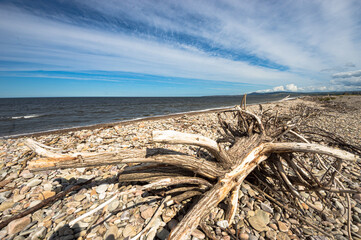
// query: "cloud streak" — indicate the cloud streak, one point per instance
point(283, 43)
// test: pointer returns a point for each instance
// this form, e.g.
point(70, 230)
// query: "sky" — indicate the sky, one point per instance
point(55, 48)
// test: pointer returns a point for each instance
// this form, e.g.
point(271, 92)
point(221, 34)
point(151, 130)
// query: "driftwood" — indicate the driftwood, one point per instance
point(265, 140)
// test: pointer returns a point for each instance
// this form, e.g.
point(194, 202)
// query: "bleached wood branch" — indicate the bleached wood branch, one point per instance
point(59, 161)
point(174, 137)
point(40, 149)
point(310, 148)
point(154, 217)
point(232, 204)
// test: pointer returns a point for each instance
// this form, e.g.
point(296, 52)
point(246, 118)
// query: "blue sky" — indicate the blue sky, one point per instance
point(177, 48)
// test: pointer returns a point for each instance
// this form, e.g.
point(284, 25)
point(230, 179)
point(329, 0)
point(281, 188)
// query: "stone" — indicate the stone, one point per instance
point(354, 228)
point(18, 197)
point(226, 238)
point(271, 234)
point(260, 220)
point(113, 205)
point(163, 233)
point(253, 237)
point(102, 188)
point(273, 226)
point(266, 208)
point(18, 225)
point(4, 196)
point(34, 182)
point(147, 213)
point(244, 236)
point(47, 187)
point(27, 174)
point(356, 209)
point(357, 196)
point(168, 214)
point(339, 206)
point(223, 224)
point(283, 226)
point(102, 196)
point(3, 233)
point(34, 203)
point(282, 236)
point(198, 234)
point(6, 205)
point(129, 231)
point(277, 216)
point(79, 197)
point(172, 224)
point(46, 194)
point(112, 233)
point(38, 234)
point(124, 216)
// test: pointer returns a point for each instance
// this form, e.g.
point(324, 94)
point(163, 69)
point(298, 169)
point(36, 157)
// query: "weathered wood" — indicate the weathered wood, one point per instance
point(215, 195)
point(310, 148)
point(200, 166)
point(232, 204)
point(173, 137)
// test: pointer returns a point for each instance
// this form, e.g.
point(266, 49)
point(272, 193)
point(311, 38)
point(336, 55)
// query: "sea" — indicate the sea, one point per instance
point(22, 116)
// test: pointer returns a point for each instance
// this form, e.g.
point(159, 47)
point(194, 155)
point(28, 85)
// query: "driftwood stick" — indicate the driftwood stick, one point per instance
point(291, 187)
point(207, 230)
point(200, 166)
point(349, 212)
point(232, 204)
point(154, 217)
point(258, 119)
point(310, 148)
point(92, 211)
point(244, 102)
point(173, 137)
point(40, 149)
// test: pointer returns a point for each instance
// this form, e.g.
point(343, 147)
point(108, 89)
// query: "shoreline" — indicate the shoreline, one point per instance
point(134, 120)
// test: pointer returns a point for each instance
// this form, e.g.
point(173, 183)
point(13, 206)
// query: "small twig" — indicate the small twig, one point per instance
point(348, 210)
point(155, 215)
point(206, 230)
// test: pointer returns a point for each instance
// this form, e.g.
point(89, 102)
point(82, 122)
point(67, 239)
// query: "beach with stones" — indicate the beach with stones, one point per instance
point(124, 218)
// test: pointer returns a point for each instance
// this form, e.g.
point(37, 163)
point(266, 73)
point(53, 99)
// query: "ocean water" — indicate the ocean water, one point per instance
point(20, 116)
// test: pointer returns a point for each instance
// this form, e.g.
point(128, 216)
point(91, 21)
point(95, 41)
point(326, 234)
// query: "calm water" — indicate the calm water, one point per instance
point(30, 115)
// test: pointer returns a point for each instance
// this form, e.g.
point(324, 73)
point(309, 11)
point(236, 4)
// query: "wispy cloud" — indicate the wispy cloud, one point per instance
point(347, 74)
point(283, 43)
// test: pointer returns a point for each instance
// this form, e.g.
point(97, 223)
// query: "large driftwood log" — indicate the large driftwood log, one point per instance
point(254, 138)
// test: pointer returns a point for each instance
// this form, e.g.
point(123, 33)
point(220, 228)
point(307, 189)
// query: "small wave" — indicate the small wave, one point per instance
point(27, 116)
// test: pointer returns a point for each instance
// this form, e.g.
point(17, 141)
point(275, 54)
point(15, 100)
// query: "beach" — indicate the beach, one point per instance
point(127, 216)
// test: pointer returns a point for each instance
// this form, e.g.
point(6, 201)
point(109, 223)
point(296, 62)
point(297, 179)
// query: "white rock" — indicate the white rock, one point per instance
point(102, 188)
point(34, 182)
point(223, 224)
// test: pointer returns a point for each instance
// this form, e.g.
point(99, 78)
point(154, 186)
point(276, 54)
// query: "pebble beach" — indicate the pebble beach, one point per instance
point(124, 218)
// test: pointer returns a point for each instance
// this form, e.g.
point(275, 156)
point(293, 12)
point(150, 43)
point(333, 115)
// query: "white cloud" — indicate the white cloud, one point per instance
point(302, 37)
point(68, 47)
point(279, 88)
point(347, 74)
point(291, 87)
